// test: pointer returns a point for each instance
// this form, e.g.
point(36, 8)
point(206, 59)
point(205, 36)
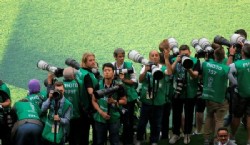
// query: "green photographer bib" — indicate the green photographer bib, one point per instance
point(215, 80)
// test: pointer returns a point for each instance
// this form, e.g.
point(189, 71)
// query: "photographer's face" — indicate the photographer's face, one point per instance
point(185, 52)
point(90, 63)
point(60, 89)
point(108, 73)
point(154, 56)
point(120, 58)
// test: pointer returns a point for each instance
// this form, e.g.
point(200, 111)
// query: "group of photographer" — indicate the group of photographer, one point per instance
point(67, 110)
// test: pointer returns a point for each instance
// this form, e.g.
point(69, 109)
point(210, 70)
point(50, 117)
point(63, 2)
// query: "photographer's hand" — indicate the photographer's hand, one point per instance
point(51, 76)
point(105, 115)
point(232, 51)
point(57, 118)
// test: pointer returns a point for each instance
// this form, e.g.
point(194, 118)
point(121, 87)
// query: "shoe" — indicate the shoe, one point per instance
point(186, 139)
point(174, 139)
point(154, 144)
point(138, 142)
point(206, 142)
point(196, 133)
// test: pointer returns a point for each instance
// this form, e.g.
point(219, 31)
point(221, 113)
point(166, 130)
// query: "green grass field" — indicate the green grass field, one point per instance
point(56, 30)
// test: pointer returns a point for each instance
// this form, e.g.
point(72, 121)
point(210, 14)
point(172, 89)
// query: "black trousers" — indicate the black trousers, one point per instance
point(165, 121)
point(177, 106)
point(128, 123)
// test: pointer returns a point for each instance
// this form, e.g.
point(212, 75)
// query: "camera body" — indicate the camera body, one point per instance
point(124, 71)
point(186, 62)
point(45, 66)
point(138, 58)
point(180, 84)
point(57, 95)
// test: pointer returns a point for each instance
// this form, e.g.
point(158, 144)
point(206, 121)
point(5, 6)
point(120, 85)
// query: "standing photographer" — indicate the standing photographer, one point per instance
point(186, 81)
point(153, 93)
point(129, 81)
point(107, 117)
point(215, 79)
point(60, 111)
point(88, 83)
point(241, 98)
point(5, 104)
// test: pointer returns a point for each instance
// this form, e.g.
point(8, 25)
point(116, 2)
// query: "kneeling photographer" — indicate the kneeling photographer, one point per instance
point(186, 70)
point(107, 102)
point(60, 112)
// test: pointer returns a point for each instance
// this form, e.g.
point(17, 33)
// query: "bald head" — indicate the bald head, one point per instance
point(154, 56)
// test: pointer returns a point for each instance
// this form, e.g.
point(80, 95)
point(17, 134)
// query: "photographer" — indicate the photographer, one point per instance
point(37, 97)
point(241, 98)
point(186, 85)
point(88, 83)
point(72, 93)
point(28, 128)
point(215, 78)
point(5, 104)
point(107, 117)
point(153, 94)
point(60, 111)
point(129, 82)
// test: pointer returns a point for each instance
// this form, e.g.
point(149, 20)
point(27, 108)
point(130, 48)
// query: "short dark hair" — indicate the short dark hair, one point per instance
point(246, 50)
point(184, 47)
point(117, 51)
point(222, 128)
point(110, 65)
point(58, 84)
point(219, 53)
point(242, 32)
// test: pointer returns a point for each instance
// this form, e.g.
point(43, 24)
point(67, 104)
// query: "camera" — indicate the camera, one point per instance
point(173, 46)
point(105, 92)
point(180, 84)
point(124, 71)
point(195, 44)
point(73, 63)
point(45, 66)
point(138, 58)
point(222, 41)
point(206, 46)
point(57, 95)
point(186, 62)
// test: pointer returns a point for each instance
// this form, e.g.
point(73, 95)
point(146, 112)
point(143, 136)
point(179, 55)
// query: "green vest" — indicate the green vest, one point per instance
point(160, 96)
point(215, 79)
point(84, 97)
point(37, 100)
point(192, 83)
point(4, 90)
point(130, 89)
point(72, 94)
point(102, 102)
point(243, 77)
point(48, 131)
point(26, 110)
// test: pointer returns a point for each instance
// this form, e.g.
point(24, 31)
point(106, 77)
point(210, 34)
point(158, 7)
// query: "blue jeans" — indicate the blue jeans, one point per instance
point(28, 134)
point(153, 114)
point(102, 131)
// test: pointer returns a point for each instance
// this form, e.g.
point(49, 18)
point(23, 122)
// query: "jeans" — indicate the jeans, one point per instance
point(28, 134)
point(128, 123)
point(102, 131)
point(153, 114)
point(177, 106)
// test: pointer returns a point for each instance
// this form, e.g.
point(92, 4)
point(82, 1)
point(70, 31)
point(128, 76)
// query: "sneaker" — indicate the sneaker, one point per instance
point(186, 139)
point(196, 133)
point(206, 142)
point(138, 142)
point(174, 139)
